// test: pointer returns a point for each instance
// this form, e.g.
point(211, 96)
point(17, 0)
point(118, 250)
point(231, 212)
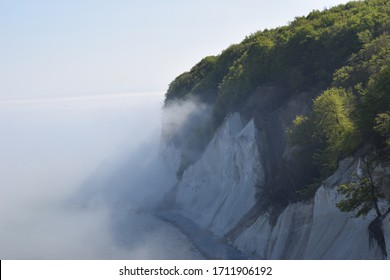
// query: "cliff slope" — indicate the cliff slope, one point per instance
point(277, 124)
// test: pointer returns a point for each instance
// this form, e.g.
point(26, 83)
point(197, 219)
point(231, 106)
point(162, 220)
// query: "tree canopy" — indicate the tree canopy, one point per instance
point(341, 56)
point(349, 41)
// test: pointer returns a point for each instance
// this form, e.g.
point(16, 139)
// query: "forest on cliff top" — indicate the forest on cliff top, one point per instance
point(342, 54)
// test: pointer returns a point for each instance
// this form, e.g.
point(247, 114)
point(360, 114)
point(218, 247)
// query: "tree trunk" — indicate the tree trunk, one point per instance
point(372, 187)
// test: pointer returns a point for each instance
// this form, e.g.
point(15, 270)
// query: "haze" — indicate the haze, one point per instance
point(73, 171)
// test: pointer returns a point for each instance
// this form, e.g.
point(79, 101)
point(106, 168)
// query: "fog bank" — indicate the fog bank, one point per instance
point(75, 176)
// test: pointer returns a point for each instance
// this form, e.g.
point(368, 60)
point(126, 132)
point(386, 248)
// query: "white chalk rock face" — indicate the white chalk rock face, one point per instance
point(386, 232)
point(290, 234)
point(337, 235)
point(314, 230)
point(219, 189)
point(255, 239)
point(287, 239)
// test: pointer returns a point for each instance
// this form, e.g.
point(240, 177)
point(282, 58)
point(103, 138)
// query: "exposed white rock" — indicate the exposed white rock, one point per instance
point(219, 188)
point(386, 232)
point(316, 230)
point(255, 239)
point(289, 236)
point(334, 234)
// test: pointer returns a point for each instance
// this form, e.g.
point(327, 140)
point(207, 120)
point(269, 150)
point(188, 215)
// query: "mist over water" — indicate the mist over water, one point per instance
point(75, 174)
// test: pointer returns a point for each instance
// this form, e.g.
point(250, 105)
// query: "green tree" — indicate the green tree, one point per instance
point(383, 126)
point(375, 101)
point(325, 136)
point(334, 130)
point(301, 131)
point(362, 193)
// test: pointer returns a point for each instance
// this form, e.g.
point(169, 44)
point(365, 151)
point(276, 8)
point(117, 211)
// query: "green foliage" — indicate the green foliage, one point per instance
point(358, 198)
point(345, 49)
point(204, 78)
point(334, 130)
point(375, 101)
point(383, 126)
point(354, 110)
point(328, 134)
point(300, 133)
point(185, 83)
point(361, 194)
point(365, 65)
point(367, 75)
point(244, 75)
point(347, 42)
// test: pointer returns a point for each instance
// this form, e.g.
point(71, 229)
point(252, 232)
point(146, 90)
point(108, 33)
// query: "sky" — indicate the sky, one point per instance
point(83, 47)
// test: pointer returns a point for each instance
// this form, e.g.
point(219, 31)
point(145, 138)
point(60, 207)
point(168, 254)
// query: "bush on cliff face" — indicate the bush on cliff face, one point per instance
point(328, 133)
point(383, 126)
point(375, 104)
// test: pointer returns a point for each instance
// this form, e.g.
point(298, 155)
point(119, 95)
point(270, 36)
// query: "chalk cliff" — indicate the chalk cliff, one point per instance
point(276, 124)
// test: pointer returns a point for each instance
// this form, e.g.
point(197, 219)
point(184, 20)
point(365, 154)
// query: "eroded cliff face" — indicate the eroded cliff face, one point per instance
point(219, 189)
point(220, 192)
point(314, 230)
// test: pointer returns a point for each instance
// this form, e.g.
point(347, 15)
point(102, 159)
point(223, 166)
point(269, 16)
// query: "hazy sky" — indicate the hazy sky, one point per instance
point(73, 47)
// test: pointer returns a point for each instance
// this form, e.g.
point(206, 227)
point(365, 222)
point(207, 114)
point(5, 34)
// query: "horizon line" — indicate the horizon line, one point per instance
point(79, 97)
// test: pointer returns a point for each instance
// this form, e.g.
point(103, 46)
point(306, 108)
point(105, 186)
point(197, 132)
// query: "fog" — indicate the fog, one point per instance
point(78, 177)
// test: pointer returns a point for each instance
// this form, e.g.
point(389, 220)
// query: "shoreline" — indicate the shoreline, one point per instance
point(208, 245)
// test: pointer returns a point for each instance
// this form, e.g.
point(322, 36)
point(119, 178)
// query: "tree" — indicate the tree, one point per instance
point(383, 126)
point(361, 193)
point(334, 130)
point(328, 133)
point(375, 101)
